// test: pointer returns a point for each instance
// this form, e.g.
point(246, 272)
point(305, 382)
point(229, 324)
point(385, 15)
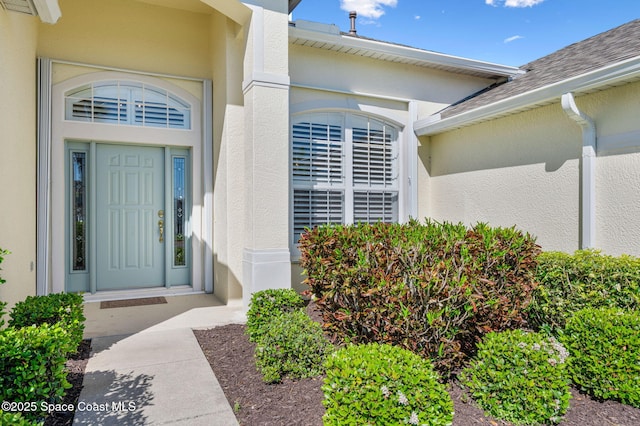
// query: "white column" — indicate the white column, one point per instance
point(266, 258)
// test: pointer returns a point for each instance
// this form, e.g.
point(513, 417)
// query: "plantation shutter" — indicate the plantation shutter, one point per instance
point(114, 102)
point(344, 170)
point(317, 168)
point(316, 207)
point(317, 151)
point(375, 174)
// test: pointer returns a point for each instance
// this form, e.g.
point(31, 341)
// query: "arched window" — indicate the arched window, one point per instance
point(345, 169)
point(127, 103)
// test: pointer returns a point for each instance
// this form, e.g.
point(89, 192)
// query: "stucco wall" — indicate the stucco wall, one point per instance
point(351, 73)
point(228, 130)
point(524, 170)
point(130, 35)
point(615, 112)
point(520, 170)
point(18, 35)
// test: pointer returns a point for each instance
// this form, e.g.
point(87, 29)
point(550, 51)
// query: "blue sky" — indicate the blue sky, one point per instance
point(509, 32)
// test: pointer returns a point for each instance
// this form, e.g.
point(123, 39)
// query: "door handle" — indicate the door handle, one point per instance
point(161, 224)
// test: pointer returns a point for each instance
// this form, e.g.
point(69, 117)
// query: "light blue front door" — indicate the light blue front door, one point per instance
point(130, 191)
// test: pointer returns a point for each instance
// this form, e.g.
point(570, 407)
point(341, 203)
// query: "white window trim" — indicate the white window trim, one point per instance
point(407, 161)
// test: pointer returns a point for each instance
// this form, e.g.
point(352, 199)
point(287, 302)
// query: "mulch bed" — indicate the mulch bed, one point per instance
point(75, 365)
point(299, 402)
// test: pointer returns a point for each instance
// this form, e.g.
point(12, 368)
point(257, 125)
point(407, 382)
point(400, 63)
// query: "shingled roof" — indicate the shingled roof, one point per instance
point(604, 49)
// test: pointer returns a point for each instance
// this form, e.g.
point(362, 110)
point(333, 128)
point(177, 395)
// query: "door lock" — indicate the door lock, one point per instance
point(161, 227)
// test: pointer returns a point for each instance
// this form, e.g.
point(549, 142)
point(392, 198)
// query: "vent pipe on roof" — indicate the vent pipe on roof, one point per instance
point(352, 17)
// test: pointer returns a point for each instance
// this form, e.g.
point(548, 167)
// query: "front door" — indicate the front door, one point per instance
point(122, 183)
point(130, 217)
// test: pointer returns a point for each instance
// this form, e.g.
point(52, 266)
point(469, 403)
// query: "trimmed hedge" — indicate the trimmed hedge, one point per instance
point(14, 419)
point(431, 288)
point(292, 345)
point(268, 304)
point(383, 385)
point(63, 308)
point(3, 305)
point(605, 353)
point(586, 279)
point(32, 365)
point(520, 377)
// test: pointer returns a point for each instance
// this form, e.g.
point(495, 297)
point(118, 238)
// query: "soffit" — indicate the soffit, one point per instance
point(370, 48)
point(232, 9)
point(189, 5)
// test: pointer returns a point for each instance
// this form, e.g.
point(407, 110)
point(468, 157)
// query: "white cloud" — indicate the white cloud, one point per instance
point(512, 38)
point(417, 17)
point(513, 3)
point(372, 9)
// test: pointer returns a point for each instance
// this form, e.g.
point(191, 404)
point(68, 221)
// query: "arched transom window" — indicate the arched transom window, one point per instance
point(127, 103)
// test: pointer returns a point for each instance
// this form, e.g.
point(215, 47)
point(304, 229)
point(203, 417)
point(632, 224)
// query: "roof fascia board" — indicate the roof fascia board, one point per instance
point(405, 52)
point(293, 4)
point(611, 74)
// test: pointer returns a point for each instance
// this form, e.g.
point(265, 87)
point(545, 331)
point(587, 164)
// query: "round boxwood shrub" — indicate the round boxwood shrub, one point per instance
point(64, 308)
point(382, 384)
point(14, 419)
point(520, 377)
point(268, 304)
point(605, 353)
point(292, 345)
point(585, 279)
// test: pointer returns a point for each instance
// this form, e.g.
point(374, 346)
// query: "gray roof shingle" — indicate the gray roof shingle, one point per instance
point(604, 49)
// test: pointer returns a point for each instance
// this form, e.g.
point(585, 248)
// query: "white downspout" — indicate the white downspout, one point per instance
point(588, 174)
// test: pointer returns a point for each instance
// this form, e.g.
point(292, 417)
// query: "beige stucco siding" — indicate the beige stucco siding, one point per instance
point(18, 158)
point(228, 164)
point(618, 203)
point(130, 35)
point(338, 71)
point(524, 170)
point(520, 170)
point(615, 112)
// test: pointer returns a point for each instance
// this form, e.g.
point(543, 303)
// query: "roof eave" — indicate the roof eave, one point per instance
point(426, 58)
point(293, 4)
point(610, 75)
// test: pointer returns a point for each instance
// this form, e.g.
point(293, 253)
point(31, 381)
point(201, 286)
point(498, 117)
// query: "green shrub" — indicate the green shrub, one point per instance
point(383, 385)
point(64, 308)
point(32, 365)
point(14, 419)
point(2, 313)
point(586, 279)
point(3, 305)
point(268, 304)
point(605, 353)
point(431, 288)
point(519, 377)
point(292, 345)
point(3, 253)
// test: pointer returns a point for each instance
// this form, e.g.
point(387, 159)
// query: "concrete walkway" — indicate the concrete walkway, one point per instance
point(157, 375)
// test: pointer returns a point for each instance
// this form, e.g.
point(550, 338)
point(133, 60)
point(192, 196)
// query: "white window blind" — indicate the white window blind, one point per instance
point(344, 170)
point(128, 103)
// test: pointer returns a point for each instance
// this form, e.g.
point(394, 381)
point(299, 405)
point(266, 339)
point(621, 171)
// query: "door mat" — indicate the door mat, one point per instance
point(132, 302)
